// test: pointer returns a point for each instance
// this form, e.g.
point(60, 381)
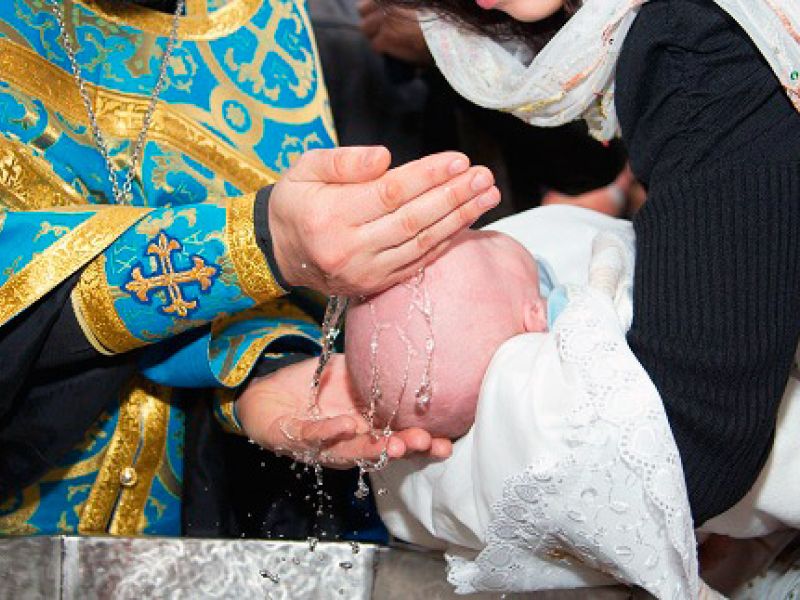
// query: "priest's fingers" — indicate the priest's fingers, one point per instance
point(405, 260)
point(425, 227)
point(441, 448)
point(345, 454)
point(454, 198)
point(415, 439)
point(421, 442)
point(352, 164)
point(404, 184)
point(300, 438)
point(314, 432)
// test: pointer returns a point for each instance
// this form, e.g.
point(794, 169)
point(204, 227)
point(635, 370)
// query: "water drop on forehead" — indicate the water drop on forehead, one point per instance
point(423, 396)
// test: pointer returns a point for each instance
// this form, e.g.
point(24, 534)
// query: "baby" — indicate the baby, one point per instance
point(548, 441)
point(419, 350)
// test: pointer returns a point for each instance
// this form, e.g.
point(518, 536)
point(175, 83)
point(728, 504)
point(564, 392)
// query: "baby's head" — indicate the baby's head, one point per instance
point(483, 290)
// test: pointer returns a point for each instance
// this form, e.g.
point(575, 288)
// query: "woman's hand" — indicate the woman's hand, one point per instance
point(342, 223)
point(273, 411)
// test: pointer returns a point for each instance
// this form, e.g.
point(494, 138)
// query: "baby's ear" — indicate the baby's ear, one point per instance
point(535, 316)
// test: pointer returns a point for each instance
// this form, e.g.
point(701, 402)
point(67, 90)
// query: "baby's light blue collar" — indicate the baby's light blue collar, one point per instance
point(550, 290)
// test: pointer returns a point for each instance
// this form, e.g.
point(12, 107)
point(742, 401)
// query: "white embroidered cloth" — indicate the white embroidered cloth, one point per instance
point(573, 76)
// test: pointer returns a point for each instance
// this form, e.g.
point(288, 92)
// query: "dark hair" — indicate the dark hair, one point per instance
point(167, 6)
point(494, 23)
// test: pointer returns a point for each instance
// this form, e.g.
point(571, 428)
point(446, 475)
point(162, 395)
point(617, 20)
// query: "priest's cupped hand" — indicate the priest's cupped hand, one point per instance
point(275, 412)
point(342, 222)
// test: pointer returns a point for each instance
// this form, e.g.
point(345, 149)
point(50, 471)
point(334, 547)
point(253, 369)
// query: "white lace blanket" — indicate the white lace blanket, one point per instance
point(574, 471)
point(607, 490)
point(570, 476)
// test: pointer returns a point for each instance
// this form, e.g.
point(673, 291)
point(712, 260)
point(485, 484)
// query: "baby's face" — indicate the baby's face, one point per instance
point(528, 11)
point(483, 290)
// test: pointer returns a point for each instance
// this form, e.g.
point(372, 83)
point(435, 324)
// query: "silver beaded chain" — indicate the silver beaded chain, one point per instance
point(123, 194)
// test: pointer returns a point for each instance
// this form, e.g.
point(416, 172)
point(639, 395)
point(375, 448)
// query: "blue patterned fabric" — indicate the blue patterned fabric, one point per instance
point(243, 97)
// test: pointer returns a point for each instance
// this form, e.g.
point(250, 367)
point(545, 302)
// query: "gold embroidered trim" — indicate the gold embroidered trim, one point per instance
point(225, 414)
point(237, 374)
point(83, 322)
point(28, 182)
point(153, 403)
point(98, 317)
point(280, 308)
point(196, 8)
point(64, 257)
point(252, 270)
point(16, 523)
point(194, 26)
point(122, 115)
point(79, 469)
point(120, 453)
point(138, 443)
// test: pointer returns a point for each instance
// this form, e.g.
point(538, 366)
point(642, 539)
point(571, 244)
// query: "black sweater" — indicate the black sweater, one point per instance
point(713, 136)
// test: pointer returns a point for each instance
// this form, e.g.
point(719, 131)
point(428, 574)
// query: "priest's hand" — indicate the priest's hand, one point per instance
point(273, 413)
point(343, 223)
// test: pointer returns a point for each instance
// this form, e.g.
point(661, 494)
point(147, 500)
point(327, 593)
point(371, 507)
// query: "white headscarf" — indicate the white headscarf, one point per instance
point(573, 76)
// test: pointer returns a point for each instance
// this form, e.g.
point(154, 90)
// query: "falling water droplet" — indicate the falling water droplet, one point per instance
point(362, 489)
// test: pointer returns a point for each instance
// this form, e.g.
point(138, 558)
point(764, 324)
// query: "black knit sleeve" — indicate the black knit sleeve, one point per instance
point(716, 291)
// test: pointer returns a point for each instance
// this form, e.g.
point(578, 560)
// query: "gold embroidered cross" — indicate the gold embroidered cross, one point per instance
point(170, 279)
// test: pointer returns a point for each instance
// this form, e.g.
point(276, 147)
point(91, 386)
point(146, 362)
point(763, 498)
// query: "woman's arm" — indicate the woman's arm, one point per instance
point(716, 293)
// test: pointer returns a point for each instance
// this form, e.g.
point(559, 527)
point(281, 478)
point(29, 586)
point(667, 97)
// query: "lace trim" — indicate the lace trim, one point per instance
point(617, 502)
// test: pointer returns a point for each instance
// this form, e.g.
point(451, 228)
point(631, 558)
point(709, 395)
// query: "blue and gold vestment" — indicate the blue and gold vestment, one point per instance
point(243, 97)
